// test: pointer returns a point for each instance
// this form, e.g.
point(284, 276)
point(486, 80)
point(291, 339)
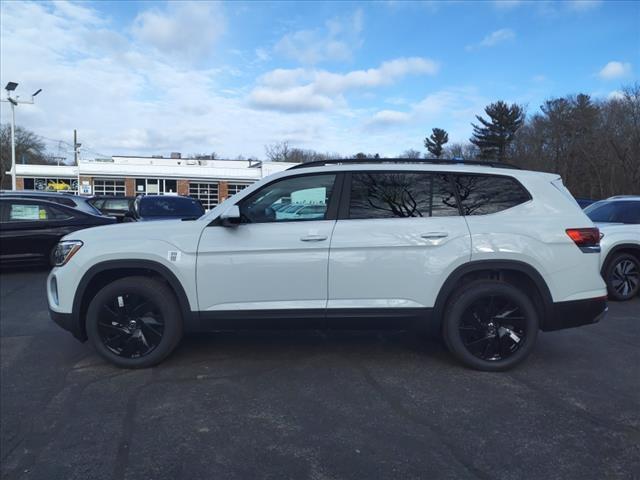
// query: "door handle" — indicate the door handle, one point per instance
point(434, 235)
point(314, 238)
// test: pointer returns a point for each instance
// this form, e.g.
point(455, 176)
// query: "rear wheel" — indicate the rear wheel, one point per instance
point(134, 322)
point(622, 275)
point(490, 325)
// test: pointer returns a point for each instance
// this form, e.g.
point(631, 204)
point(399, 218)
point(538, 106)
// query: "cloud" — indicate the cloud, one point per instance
point(182, 29)
point(454, 105)
point(300, 89)
point(506, 4)
point(615, 70)
point(296, 99)
point(583, 5)
point(262, 55)
point(335, 42)
point(127, 98)
point(616, 95)
point(385, 118)
point(493, 39)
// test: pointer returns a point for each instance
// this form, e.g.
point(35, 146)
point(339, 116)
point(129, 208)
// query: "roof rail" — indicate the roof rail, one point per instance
point(435, 161)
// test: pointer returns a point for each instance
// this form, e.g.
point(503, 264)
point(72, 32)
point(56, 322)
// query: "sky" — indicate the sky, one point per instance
point(142, 78)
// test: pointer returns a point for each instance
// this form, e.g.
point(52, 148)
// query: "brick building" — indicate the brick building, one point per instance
point(211, 181)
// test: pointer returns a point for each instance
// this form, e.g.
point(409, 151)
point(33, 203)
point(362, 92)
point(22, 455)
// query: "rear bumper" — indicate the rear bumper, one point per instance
point(575, 313)
point(69, 323)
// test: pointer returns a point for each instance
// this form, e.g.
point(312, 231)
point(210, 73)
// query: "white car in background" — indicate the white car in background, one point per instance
point(618, 219)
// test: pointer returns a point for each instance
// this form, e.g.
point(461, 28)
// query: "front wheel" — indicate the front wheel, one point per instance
point(490, 325)
point(622, 275)
point(134, 322)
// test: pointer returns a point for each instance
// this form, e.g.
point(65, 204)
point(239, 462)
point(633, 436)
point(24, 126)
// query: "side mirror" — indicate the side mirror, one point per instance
point(230, 217)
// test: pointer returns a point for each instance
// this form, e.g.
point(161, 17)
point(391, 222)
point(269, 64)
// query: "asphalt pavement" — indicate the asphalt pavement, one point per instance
point(314, 405)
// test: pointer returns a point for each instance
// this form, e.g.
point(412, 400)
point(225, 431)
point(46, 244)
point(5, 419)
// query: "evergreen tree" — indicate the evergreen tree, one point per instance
point(493, 136)
point(435, 141)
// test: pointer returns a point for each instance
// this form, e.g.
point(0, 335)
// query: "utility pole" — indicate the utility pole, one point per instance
point(76, 147)
point(76, 152)
point(10, 87)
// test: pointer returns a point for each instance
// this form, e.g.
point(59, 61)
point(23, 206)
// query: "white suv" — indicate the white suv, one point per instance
point(482, 254)
point(618, 219)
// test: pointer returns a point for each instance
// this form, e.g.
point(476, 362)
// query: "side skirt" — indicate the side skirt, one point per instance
point(316, 319)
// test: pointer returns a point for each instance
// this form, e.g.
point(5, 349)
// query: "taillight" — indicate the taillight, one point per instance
point(584, 237)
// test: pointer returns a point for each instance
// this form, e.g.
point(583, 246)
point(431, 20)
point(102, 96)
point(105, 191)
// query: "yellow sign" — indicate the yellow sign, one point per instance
point(57, 186)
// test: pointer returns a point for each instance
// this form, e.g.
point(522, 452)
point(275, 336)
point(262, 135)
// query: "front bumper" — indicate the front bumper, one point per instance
point(575, 313)
point(69, 322)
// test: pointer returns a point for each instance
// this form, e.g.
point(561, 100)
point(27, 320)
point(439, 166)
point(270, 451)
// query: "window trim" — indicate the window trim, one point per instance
point(332, 206)
point(345, 199)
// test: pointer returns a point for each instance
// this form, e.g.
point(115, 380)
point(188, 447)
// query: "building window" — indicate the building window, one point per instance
point(207, 193)
point(108, 187)
point(156, 186)
point(51, 184)
point(234, 188)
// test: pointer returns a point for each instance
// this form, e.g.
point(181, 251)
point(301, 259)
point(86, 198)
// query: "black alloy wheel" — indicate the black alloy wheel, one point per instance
point(623, 277)
point(490, 325)
point(130, 325)
point(493, 328)
point(134, 322)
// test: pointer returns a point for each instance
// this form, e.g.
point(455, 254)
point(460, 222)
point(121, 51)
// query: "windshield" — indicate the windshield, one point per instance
point(170, 207)
point(614, 212)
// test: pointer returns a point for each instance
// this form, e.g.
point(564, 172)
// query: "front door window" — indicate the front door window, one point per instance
point(292, 199)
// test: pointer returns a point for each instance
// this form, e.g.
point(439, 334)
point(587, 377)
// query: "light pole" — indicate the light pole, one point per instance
point(10, 87)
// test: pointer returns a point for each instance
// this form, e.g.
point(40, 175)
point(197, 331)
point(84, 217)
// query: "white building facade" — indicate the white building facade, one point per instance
point(210, 181)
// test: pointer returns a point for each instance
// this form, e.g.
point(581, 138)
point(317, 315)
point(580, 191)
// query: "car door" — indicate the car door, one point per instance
point(31, 228)
point(270, 263)
point(398, 236)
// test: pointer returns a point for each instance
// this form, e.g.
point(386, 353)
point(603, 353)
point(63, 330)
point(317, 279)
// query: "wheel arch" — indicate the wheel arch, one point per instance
point(631, 248)
point(512, 271)
point(108, 271)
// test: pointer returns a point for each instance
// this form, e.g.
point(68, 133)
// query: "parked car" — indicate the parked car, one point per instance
point(163, 207)
point(619, 221)
point(482, 254)
point(301, 211)
point(114, 206)
point(31, 228)
point(67, 199)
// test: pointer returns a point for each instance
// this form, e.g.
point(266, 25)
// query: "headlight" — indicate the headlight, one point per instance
point(64, 251)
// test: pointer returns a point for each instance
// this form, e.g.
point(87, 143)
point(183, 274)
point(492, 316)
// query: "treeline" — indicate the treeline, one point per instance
point(593, 144)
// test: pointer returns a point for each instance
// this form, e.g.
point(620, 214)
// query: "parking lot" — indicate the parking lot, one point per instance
point(314, 405)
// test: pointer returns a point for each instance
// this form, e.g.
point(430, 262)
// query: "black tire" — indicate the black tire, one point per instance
point(622, 275)
point(134, 322)
point(481, 330)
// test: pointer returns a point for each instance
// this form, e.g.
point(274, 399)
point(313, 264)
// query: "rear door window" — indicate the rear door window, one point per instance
point(33, 212)
point(401, 195)
point(485, 194)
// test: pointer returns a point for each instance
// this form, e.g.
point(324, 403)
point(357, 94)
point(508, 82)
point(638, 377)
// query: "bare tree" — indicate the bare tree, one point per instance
point(411, 153)
point(278, 152)
point(30, 148)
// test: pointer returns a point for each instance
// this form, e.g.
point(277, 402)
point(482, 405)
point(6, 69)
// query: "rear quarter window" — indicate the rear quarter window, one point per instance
point(486, 194)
